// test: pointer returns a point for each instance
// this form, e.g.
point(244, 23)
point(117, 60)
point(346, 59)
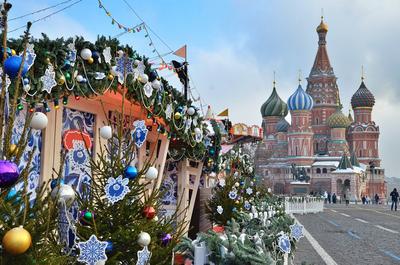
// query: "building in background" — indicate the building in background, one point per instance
point(322, 147)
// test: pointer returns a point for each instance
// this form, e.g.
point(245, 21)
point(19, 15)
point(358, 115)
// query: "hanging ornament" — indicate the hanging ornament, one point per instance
point(191, 111)
point(64, 193)
point(92, 251)
point(107, 55)
point(86, 217)
point(39, 121)
point(166, 239)
point(144, 239)
point(61, 80)
point(152, 173)
point(177, 115)
point(116, 189)
point(13, 149)
point(9, 173)
point(296, 231)
point(284, 244)
point(188, 123)
point(149, 212)
point(124, 68)
point(143, 256)
point(148, 89)
point(156, 84)
point(220, 210)
point(168, 111)
point(140, 133)
point(86, 54)
point(99, 75)
point(30, 55)
point(12, 64)
point(106, 132)
point(144, 79)
point(90, 60)
point(130, 172)
point(48, 79)
point(198, 135)
point(17, 241)
point(71, 57)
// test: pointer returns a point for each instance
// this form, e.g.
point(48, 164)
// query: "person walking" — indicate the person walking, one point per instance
point(376, 198)
point(347, 197)
point(325, 197)
point(329, 197)
point(334, 198)
point(395, 196)
point(363, 199)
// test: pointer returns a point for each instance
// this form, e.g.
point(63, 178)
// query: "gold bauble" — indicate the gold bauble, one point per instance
point(177, 115)
point(61, 80)
point(13, 52)
point(17, 241)
point(90, 60)
point(48, 61)
point(110, 77)
point(237, 201)
point(13, 149)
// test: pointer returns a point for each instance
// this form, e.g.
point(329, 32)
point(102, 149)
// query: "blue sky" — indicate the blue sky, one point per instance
point(234, 47)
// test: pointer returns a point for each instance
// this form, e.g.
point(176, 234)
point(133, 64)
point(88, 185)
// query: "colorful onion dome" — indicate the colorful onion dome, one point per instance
point(322, 27)
point(282, 125)
point(338, 119)
point(300, 100)
point(362, 98)
point(274, 106)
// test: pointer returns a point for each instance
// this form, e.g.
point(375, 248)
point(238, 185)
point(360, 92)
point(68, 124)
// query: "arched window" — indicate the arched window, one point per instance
point(324, 171)
point(318, 171)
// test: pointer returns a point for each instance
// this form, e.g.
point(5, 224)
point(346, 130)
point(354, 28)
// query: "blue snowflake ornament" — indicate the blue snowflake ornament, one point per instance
point(296, 231)
point(30, 55)
point(116, 189)
point(140, 133)
point(144, 256)
point(71, 57)
point(124, 67)
point(232, 194)
point(284, 243)
point(247, 205)
point(48, 79)
point(92, 251)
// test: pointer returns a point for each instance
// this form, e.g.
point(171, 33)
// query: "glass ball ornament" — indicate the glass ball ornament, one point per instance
point(110, 247)
point(130, 172)
point(25, 81)
point(63, 192)
point(197, 130)
point(95, 55)
point(106, 132)
point(143, 78)
point(110, 77)
point(13, 149)
point(144, 239)
point(68, 76)
point(177, 115)
point(166, 239)
point(86, 217)
point(9, 173)
point(191, 111)
point(152, 173)
point(12, 64)
point(61, 80)
point(156, 84)
point(90, 60)
point(13, 52)
point(27, 87)
point(149, 212)
point(54, 183)
point(17, 241)
point(39, 121)
point(86, 54)
point(137, 62)
point(79, 78)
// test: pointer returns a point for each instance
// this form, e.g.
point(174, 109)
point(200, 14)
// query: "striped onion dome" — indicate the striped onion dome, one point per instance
point(300, 100)
point(362, 98)
point(274, 106)
point(282, 125)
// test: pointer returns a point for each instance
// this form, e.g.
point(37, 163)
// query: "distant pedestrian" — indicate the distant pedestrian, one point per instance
point(347, 197)
point(376, 198)
point(363, 199)
point(334, 198)
point(395, 196)
point(367, 199)
point(326, 196)
point(329, 197)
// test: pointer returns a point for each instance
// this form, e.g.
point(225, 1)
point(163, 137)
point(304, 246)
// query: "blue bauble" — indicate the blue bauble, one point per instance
point(109, 247)
point(11, 194)
point(131, 172)
point(67, 64)
point(11, 66)
point(95, 55)
point(54, 183)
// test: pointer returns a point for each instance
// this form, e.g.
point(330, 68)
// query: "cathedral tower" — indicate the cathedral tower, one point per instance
point(323, 89)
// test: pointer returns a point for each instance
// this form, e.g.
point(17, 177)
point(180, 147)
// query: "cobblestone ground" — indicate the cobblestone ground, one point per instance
point(356, 234)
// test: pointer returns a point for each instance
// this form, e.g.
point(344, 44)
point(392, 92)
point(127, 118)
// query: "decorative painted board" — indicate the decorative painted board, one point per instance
point(77, 136)
point(169, 185)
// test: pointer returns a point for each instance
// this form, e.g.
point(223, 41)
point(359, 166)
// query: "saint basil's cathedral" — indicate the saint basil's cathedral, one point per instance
point(322, 149)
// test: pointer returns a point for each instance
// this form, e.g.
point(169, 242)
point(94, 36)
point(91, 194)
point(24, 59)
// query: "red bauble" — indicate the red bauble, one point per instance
point(149, 212)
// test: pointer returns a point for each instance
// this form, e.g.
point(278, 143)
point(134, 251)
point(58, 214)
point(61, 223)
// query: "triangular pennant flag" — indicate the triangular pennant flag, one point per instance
point(181, 52)
point(224, 113)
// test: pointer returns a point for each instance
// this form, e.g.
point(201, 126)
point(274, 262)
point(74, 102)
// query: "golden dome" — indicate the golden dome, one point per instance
point(322, 27)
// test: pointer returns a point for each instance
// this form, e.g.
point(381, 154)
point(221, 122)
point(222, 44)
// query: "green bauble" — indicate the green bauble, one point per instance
point(68, 76)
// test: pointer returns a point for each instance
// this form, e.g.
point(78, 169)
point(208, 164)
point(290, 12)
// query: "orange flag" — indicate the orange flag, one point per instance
point(181, 52)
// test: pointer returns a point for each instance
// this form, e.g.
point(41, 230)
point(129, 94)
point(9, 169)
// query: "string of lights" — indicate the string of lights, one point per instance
point(39, 11)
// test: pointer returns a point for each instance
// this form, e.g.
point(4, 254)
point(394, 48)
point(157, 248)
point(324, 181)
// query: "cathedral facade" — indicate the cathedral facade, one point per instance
point(335, 152)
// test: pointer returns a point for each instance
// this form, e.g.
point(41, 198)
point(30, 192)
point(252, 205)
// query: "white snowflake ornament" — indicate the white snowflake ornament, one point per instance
point(48, 79)
point(220, 210)
point(296, 231)
point(168, 111)
point(116, 189)
point(30, 55)
point(107, 55)
point(148, 89)
point(99, 76)
point(249, 191)
point(92, 251)
point(144, 256)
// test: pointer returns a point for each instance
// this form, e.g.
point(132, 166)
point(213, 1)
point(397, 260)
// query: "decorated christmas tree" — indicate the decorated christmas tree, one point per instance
point(251, 224)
